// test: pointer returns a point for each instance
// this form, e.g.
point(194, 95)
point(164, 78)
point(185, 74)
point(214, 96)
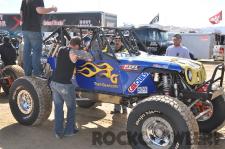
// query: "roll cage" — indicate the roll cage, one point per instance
point(128, 37)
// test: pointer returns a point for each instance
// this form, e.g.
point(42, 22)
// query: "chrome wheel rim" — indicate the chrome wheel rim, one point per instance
point(207, 114)
point(157, 133)
point(25, 102)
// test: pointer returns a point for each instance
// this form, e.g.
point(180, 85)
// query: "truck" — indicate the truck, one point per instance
point(154, 38)
point(50, 22)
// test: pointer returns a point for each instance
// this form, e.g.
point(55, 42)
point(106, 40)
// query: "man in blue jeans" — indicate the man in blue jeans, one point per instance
point(62, 88)
point(31, 12)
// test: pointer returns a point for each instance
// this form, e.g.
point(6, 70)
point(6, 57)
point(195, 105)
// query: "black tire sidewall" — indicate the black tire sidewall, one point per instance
point(18, 86)
point(181, 133)
point(217, 118)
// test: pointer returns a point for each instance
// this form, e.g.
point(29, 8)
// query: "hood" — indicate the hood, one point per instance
point(164, 62)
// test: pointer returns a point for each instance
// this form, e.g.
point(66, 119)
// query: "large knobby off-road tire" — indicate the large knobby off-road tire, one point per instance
point(30, 100)
point(85, 103)
point(217, 120)
point(12, 72)
point(160, 122)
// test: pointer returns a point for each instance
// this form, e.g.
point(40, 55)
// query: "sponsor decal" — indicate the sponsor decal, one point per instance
point(106, 85)
point(138, 82)
point(53, 22)
point(129, 67)
point(85, 23)
point(142, 90)
point(104, 70)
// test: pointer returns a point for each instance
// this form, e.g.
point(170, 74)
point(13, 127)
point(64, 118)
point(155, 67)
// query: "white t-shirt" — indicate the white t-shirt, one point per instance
point(181, 51)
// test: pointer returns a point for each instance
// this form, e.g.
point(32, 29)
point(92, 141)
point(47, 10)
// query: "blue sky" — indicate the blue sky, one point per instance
point(185, 13)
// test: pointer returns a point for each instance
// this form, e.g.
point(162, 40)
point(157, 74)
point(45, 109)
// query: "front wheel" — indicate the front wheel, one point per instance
point(160, 122)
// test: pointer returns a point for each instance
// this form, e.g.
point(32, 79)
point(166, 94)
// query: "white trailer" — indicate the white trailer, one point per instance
point(200, 44)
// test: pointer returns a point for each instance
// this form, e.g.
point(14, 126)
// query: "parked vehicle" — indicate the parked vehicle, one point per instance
point(155, 39)
point(172, 100)
point(200, 44)
point(218, 50)
point(51, 22)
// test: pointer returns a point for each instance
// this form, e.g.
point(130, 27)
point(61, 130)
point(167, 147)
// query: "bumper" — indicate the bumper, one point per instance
point(211, 89)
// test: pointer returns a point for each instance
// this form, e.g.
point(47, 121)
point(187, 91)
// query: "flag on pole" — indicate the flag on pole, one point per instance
point(216, 18)
point(155, 19)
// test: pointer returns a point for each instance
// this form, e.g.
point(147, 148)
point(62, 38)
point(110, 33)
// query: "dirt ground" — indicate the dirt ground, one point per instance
point(89, 121)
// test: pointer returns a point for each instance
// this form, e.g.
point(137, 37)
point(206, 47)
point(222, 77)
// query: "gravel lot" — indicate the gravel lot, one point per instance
point(89, 121)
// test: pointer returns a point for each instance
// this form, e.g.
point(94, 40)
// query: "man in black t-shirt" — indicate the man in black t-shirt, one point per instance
point(62, 88)
point(31, 12)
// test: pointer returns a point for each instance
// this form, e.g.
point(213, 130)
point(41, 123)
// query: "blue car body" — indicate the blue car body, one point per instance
point(125, 75)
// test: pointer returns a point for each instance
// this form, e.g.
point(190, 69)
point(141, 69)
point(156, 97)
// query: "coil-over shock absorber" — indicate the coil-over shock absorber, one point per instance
point(166, 84)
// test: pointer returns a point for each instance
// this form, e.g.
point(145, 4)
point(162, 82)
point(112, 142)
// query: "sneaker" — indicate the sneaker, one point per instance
point(73, 134)
point(58, 136)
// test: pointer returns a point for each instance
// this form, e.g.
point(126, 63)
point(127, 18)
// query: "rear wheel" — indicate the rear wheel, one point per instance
point(11, 73)
point(30, 100)
point(160, 122)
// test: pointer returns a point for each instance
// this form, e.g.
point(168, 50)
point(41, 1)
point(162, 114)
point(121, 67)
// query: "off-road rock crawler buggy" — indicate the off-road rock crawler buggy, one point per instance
point(173, 101)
